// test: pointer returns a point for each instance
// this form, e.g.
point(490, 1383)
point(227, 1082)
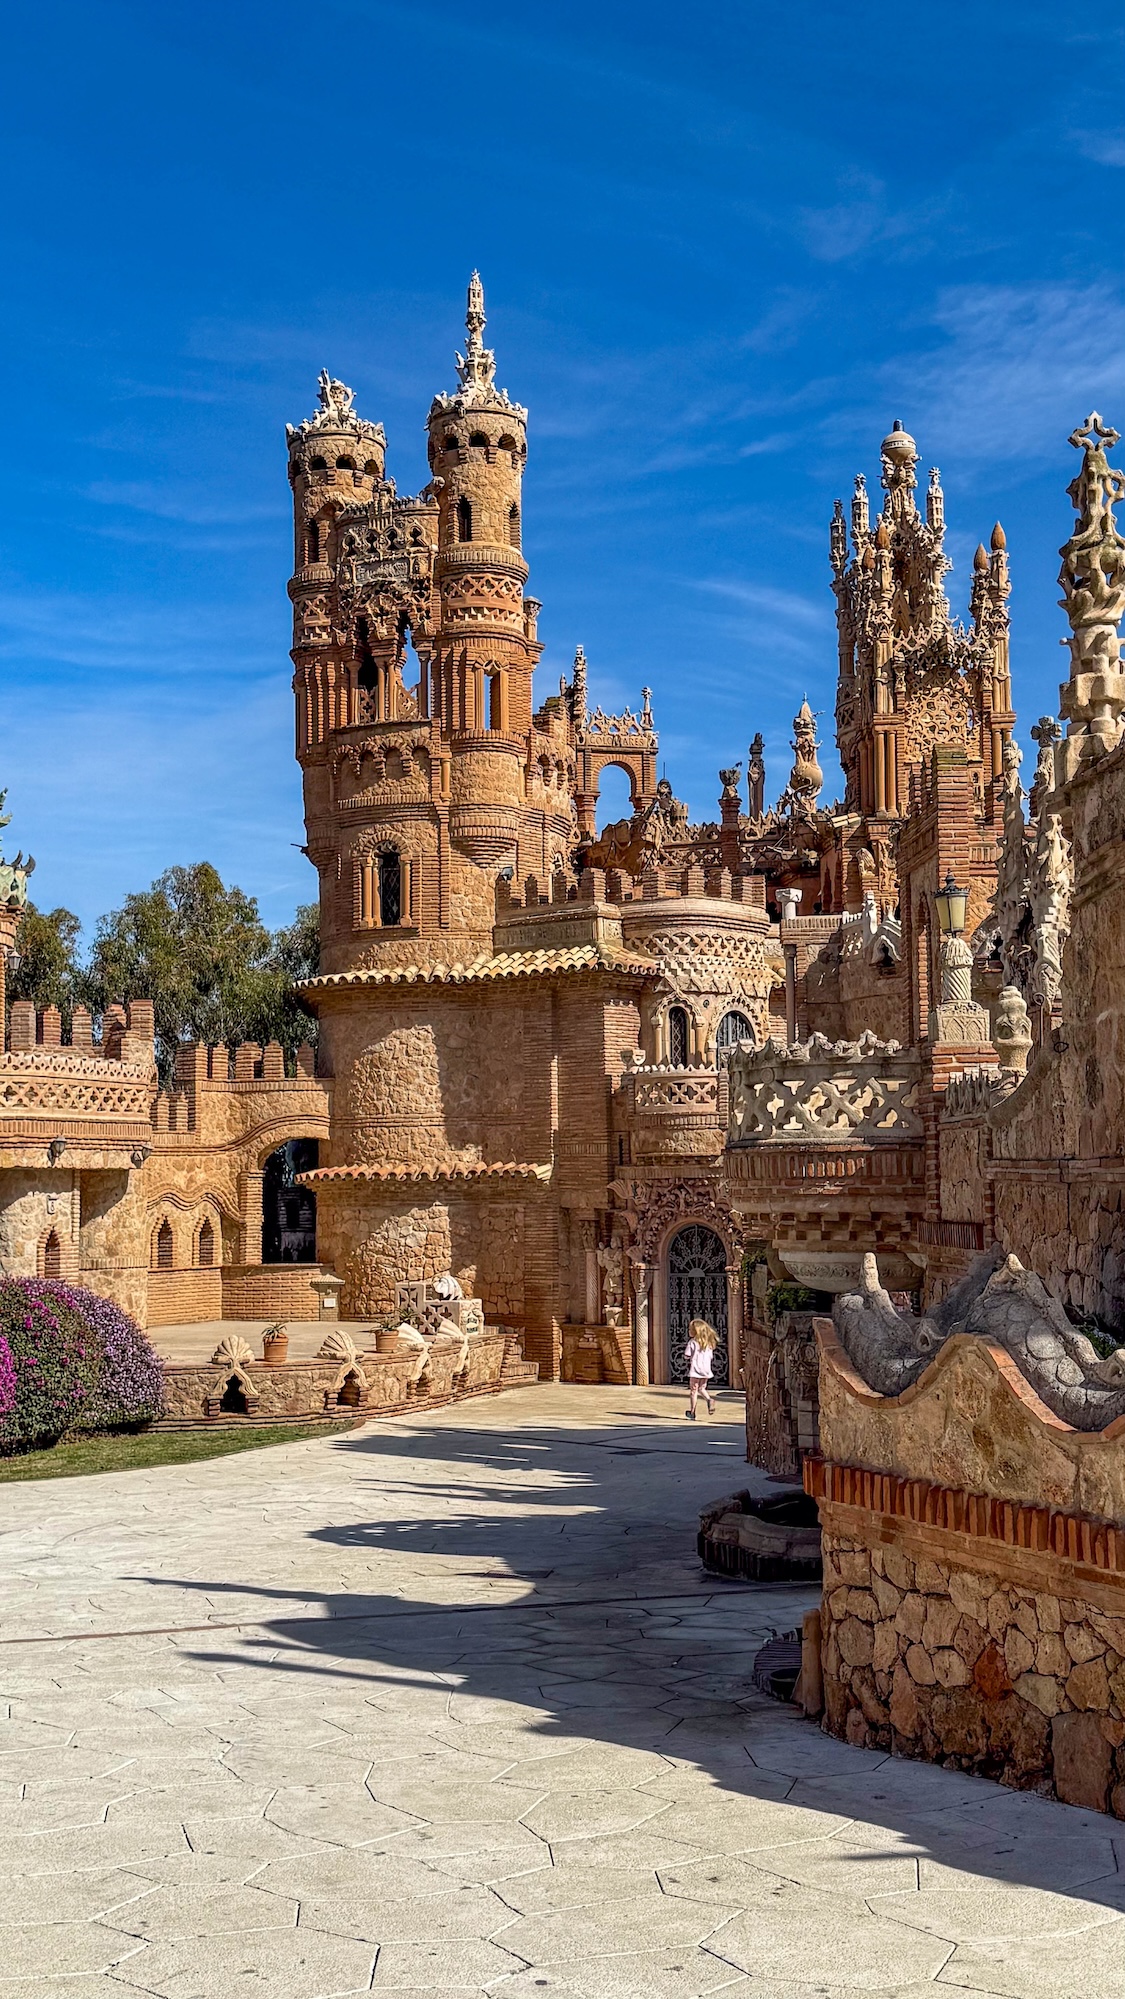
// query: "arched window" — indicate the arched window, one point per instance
point(52, 1256)
point(508, 443)
point(390, 888)
point(289, 1211)
point(206, 1245)
point(345, 464)
point(464, 520)
point(733, 1028)
point(318, 464)
point(514, 526)
point(371, 469)
point(163, 1246)
point(450, 444)
point(495, 697)
point(314, 541)
point(479, 441)
point(678, 1037)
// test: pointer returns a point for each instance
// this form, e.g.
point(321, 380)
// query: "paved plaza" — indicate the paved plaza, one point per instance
point(448, 1706)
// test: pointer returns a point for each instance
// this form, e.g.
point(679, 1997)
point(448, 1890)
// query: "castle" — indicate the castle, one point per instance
point(601, 1075)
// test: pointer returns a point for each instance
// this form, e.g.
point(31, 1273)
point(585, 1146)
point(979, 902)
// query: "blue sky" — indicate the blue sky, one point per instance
point(723, 249)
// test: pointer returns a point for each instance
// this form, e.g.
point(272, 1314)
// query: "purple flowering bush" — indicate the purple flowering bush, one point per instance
point(7, 1385)
point(80, 1364)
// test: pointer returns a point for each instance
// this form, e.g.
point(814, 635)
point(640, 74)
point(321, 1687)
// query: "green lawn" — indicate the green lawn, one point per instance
point(157, 1447)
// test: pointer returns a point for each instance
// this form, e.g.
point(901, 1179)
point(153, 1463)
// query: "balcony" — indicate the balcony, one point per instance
point(825, 1093)
point(672, 1113)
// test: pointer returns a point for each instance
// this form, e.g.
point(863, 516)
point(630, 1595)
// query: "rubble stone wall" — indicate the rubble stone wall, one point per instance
point(974, 1574)
point(962, 1666)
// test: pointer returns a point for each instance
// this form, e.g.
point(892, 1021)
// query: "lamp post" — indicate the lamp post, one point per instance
point(950, 905)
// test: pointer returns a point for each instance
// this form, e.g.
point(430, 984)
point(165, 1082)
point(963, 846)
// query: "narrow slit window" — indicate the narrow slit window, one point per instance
point(390, 888)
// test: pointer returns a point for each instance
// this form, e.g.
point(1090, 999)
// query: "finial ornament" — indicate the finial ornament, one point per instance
point(476, 368)
point(13, 874)
point(806, 776)
point(756, 777)
point(335, 398)
point(935, 502)
point(1093, 582)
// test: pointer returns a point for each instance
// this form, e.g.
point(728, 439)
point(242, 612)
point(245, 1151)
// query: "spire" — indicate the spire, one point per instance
point(838, 539)
point(935, 502)
point(476, 368)
point(899, 455)
point(1093, 581)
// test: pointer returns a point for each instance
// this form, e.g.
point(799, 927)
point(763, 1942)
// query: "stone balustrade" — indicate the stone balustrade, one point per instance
point(821, 1092)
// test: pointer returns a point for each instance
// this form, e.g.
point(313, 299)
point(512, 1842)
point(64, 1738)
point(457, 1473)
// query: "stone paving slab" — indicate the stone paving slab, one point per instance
point(446, 1705)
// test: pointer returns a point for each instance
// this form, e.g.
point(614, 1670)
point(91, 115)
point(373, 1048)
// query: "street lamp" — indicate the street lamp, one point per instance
point(951, 903)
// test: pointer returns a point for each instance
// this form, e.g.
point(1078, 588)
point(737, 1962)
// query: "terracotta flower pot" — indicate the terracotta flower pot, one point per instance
point(275, 1349)
point(386, 1343)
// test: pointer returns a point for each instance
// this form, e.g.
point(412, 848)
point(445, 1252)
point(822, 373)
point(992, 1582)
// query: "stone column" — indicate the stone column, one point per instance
point(642, 1291)
point(790, 899)
point(734, 1325)
point(252, 1218)
point(593, 1299)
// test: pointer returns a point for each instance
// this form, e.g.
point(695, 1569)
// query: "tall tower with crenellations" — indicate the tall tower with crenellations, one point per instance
point(426, 772)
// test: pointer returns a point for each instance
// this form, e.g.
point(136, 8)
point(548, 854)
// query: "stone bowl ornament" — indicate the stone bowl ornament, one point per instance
point(275, 1345)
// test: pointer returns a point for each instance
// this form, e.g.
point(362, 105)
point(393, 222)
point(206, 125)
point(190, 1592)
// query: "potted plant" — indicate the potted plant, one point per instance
point(275, 1345)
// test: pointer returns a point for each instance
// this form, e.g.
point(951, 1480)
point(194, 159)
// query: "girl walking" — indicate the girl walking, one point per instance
point(698, 1353)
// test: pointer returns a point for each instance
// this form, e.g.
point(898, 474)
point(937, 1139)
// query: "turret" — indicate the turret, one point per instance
point(335, 459)
point(485, 647)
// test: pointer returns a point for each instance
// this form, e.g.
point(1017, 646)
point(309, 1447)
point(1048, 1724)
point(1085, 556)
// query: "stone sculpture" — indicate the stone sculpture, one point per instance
point(999, 1301)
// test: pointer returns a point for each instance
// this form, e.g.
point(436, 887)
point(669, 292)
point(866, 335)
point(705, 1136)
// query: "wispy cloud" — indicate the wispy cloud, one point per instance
point(781, 605)
point(175, 501)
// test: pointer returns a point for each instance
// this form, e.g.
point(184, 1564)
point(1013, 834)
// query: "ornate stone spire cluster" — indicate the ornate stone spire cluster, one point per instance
point(910, 678)
point(1093, 582)
point(476, 367)
point(1030, 912)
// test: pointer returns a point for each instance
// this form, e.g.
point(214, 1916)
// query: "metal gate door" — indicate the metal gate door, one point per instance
point(697, 1289)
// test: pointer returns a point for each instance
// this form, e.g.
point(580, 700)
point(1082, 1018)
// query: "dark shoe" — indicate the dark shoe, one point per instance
point(690, 1414)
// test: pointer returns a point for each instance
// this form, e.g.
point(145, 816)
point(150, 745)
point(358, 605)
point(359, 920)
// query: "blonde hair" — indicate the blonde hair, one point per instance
point(703, 1334)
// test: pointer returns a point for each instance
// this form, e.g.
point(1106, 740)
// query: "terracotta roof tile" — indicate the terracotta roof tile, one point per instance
point(498, 965)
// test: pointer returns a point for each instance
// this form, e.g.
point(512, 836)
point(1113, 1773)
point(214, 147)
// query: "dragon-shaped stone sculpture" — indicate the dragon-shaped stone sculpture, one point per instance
point(999, 1301)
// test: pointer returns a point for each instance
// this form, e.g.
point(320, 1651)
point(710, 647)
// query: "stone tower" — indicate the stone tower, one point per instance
point(425, 771)
point(911, 679)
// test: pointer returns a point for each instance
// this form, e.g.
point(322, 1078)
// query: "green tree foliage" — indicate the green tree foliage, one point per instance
point(197, 949)
point(50, 969)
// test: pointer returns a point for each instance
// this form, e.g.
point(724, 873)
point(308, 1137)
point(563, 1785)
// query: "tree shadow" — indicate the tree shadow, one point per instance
point(618, 1639)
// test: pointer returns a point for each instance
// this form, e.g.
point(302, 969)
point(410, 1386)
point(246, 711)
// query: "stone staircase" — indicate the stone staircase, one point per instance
point(515, 1371)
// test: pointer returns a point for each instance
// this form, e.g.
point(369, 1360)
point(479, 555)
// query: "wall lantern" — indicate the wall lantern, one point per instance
point(951, 904)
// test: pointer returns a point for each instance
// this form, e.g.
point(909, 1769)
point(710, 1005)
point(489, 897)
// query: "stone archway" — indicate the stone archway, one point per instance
point(696, 1288)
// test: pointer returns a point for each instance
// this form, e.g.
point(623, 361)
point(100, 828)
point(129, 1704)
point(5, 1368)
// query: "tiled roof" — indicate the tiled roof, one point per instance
point(474, 1170)
point(498, 965)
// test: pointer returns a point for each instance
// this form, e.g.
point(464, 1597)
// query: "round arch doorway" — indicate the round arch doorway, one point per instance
point(697, 1289)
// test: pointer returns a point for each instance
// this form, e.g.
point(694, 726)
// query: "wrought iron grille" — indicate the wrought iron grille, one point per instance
point(697, 1289)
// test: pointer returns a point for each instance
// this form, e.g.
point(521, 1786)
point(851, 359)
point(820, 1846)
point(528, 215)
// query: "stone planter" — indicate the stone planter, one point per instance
point(275, 1349)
